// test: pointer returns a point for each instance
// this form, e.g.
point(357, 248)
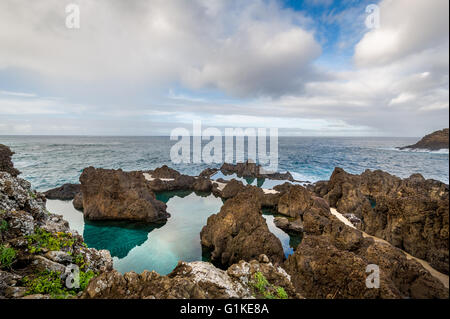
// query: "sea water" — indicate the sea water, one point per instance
point(50, 161)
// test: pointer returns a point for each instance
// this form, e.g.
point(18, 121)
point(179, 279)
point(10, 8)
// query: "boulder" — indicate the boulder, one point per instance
point(202, 184)
point(232, 188)
point(64, 192)
point(287, 225)
point(412, 214)
point(250, 169)
point(295, 201)
point(239, 232)
point(6, 165)
point(118, 195)
point(164, 172)
point(208, 172)
point(41, 263)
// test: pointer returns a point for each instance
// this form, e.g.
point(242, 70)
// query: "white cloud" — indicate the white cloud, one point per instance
point(257, 58)
point(241, 47)
point(406, 27)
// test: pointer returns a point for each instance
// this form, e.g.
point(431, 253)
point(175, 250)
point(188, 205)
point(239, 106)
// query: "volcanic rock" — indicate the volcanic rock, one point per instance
point(6, 165)
point(119, 195)
point(194, 280)
point(64, 192)
point(239, 232)
point(433, 142)
point(411, 214)
point(332, 262)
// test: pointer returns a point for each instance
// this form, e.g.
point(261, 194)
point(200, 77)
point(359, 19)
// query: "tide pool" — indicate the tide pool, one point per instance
point(138, 246)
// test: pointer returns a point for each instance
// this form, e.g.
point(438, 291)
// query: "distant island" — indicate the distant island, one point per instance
point(435, 141)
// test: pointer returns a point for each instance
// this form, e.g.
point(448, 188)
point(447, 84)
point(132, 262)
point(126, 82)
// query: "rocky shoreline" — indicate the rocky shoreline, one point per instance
point(411, 215)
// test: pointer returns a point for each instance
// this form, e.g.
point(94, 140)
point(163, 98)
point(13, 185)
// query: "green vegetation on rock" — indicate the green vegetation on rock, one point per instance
point(42, 239)
point(3, 225)
point(7, 256)
point(263, 288)
point(52, 283)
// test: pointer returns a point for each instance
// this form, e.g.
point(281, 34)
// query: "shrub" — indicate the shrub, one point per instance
point(7, 256)
point(3, 226)
point(51, 283)
point(43, 239)
point(46, 283)
point(265, 289)
point(281, 293)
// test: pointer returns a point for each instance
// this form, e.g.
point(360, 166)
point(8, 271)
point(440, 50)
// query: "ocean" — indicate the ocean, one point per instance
point(50, 161)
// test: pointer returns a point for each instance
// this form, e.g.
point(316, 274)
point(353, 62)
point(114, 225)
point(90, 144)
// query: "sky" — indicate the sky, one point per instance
point(145, 67)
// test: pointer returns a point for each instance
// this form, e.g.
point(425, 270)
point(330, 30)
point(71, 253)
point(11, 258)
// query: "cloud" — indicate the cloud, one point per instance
point(406, 27)
point(244, 48)
point(145, 67)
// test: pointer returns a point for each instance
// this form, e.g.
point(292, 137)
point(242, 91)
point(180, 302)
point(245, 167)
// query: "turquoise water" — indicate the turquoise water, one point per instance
point(138, 246)
point(289, 241)
point(50, 161)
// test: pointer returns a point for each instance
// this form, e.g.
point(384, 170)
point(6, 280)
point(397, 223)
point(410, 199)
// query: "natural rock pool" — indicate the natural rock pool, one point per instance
point(138, 247)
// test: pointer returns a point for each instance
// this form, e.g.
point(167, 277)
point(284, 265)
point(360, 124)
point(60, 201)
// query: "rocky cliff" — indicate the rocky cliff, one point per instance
point(332, 260)
point(36, 247)
point(6, 164)
point(411, 214)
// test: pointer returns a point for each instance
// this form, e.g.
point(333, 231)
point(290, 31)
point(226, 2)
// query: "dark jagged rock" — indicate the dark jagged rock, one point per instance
point(239, 232)
point(194, 280)
point(412, 214)
point(6, 165)
point(232, 188)
point(208, 172)
point(64, 192)
point(295, 201)
point(119, 195)
point(295, 226)
point(433, 142)
point(164, 172)
point(332, 259)
point(250, 169)
point(202, 184)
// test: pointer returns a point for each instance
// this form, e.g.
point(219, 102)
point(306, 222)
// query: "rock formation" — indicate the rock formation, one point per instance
point(119, 195)
point(6, 165)
point(64, 192)
point(239, 232)
point(433, 142)
point(39, 242)
point(412, 214)
point(194, 280)
point(250, 169)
